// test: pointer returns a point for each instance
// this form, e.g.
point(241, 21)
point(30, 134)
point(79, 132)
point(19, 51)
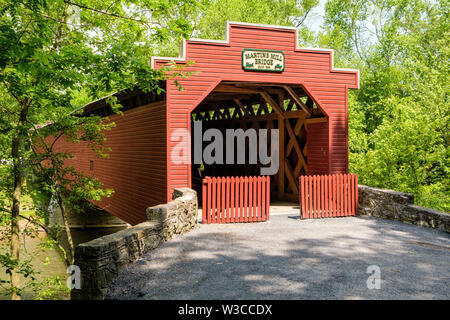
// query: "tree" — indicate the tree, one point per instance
point(399, 119)
point(51, 52)
point(211, 23)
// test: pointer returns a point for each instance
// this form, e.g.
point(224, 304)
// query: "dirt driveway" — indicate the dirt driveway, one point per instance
point(288, 258)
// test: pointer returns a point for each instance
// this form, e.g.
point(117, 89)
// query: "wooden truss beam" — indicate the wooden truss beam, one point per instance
point(234, 89)
point(273, 116)
point(293, 182)
point(297, 100)
point(278, 109)
point(317, 120)
point(222, 116)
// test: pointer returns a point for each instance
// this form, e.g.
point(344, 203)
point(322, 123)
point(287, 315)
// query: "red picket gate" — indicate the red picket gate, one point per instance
point(328, 196)
point(235, 199)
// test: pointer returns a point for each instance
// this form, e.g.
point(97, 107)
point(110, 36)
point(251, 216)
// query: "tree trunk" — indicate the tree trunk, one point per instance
point(67, 229)
point(16, 144)
point(15, 211)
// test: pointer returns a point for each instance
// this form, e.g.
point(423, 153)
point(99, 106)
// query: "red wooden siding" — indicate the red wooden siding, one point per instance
point(235, 199)
point(215, 62)
point(318, 151)
point(136, 167)
point(325, 196)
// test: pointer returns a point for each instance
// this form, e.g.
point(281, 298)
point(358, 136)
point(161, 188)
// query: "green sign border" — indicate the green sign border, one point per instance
point(263, 70)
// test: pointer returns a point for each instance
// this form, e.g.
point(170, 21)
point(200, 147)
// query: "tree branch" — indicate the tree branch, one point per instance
point(59, 31)
point(107, 13)
point(63, 22)
point(51, 235)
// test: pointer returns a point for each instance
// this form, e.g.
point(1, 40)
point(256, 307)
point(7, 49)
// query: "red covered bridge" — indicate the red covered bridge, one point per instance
point(257, 77)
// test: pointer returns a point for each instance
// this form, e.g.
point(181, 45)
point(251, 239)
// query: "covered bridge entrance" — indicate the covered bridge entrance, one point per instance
point(257, 77)
point(301, 94)
point(244, 105)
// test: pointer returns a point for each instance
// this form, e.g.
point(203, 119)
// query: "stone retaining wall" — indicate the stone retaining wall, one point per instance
point(101, 260)
point(399, 206)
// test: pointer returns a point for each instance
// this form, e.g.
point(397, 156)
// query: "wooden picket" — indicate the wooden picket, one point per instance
point(235, 199)
point(325, 196)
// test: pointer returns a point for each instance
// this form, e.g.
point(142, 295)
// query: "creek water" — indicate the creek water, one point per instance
point(48, 262)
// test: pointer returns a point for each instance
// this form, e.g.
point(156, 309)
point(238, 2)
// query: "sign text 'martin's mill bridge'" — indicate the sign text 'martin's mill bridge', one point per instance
point(263, 60)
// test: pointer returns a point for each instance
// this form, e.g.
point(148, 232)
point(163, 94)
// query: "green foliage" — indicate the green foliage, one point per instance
point(399, 119)
point(40, 282)
point(211, 24)
point(24, 268)
point(52, 288)
point(55, 57)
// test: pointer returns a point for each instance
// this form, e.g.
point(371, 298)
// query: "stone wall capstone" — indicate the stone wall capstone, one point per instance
point(101, 260)
point(176, 216)
point(394, 205)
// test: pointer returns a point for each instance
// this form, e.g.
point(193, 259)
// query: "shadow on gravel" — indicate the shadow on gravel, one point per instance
point(293, 259)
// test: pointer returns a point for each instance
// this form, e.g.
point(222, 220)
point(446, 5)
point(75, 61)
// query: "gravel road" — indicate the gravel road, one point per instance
point(288, 258)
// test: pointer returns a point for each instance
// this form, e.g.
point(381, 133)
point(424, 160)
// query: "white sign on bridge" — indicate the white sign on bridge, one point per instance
point(262, 60)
